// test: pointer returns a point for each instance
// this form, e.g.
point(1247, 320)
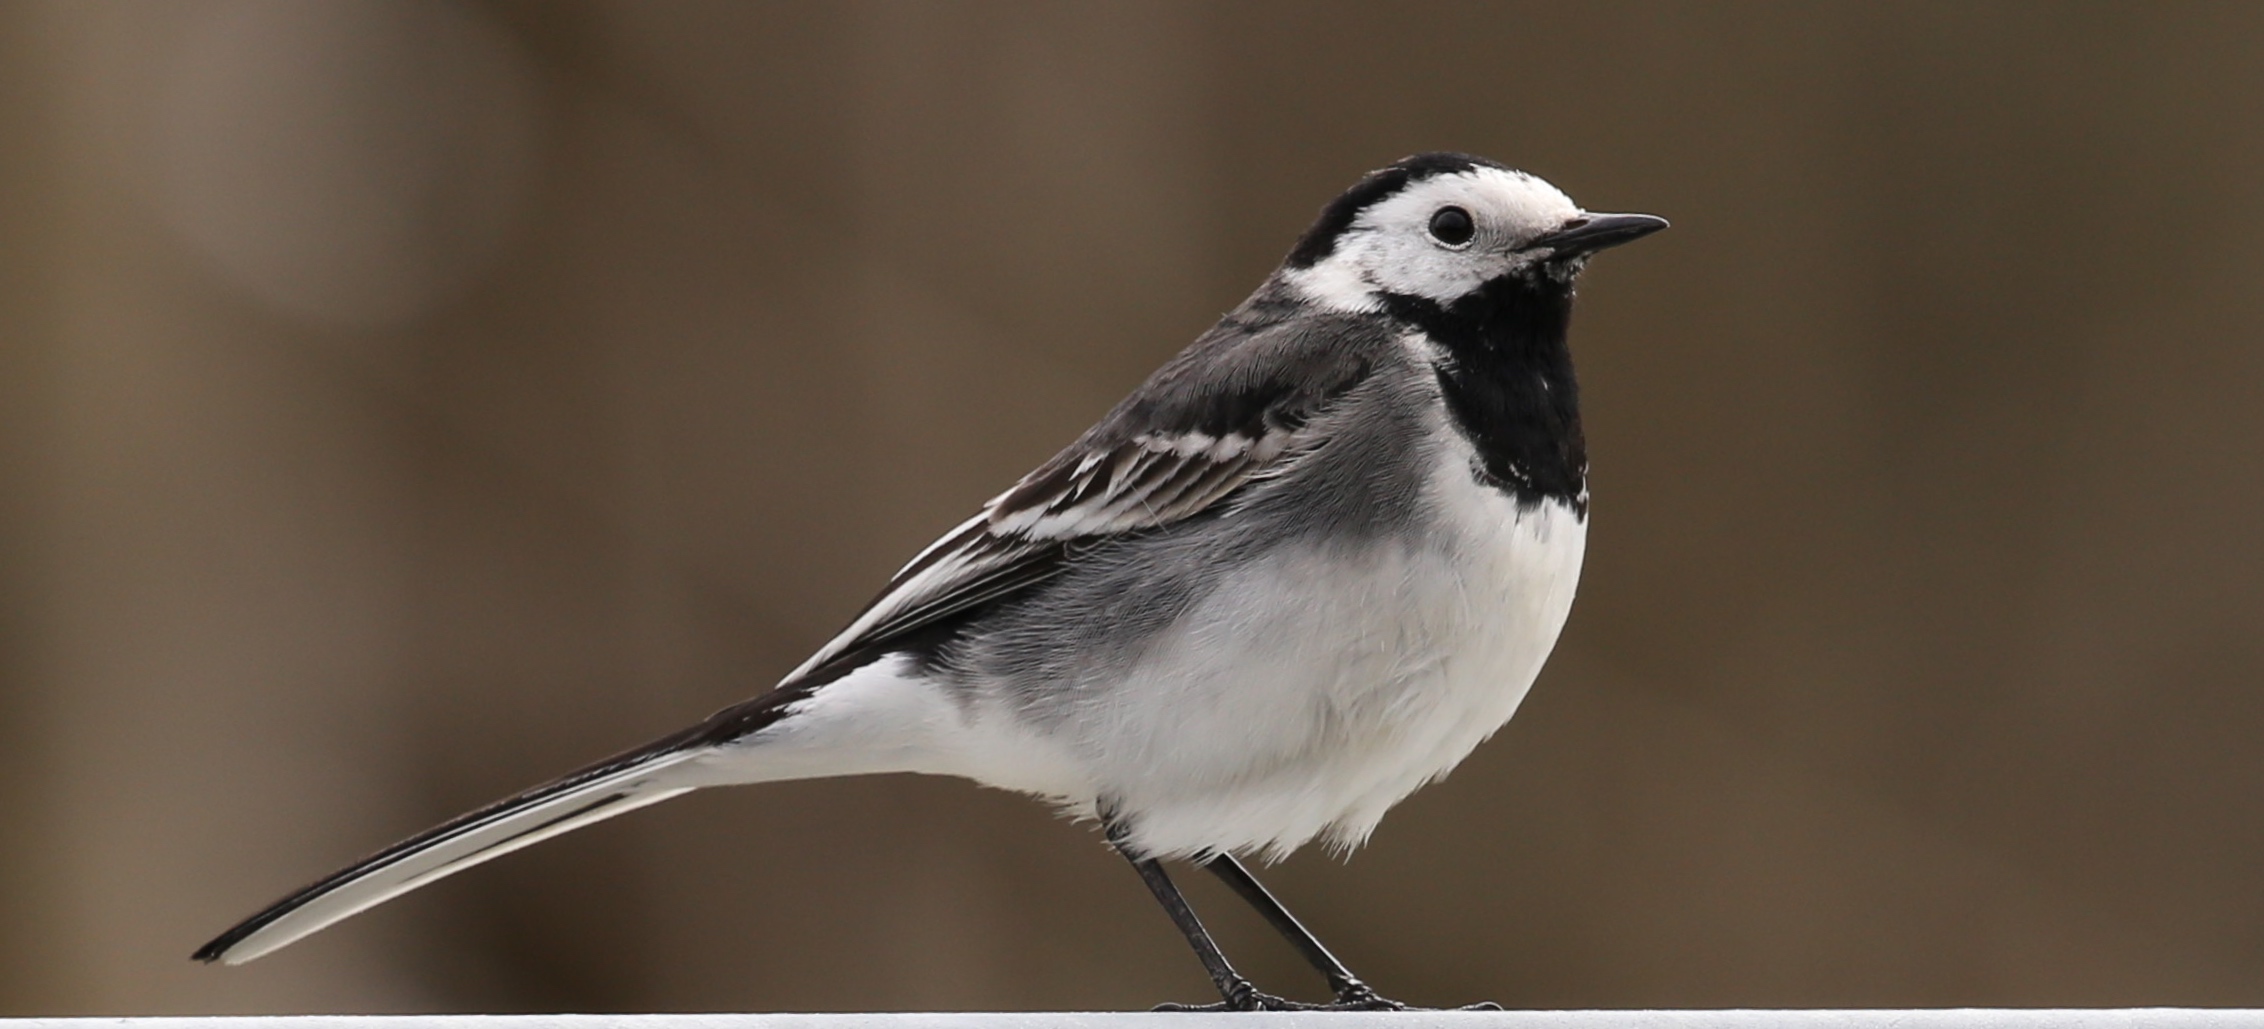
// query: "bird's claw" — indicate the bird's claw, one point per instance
point(1241, 996)
point(1354, 995)
point(1359, 996)
point(1367, 1001)
point(1249, 1000)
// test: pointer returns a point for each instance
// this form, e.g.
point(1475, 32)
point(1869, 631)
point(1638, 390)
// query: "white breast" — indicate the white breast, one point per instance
point(1315, 690)
point(1308, 694)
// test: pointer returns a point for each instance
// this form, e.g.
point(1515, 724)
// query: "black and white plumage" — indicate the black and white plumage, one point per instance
point(1301, 571)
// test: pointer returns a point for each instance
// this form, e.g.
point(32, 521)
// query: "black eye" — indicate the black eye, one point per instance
point(1451, 226)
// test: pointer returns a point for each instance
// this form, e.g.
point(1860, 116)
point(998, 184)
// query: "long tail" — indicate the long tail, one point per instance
point(647, 775)
point(594, 794)
point(862, 717)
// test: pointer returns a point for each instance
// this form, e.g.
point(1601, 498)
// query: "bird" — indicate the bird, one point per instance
point(1302, 570)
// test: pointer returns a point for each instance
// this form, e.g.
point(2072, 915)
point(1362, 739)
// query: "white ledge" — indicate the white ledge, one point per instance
point(1956, 1018)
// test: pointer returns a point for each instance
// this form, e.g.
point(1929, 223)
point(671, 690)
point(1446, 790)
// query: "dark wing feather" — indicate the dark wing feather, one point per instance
point(1218, 415)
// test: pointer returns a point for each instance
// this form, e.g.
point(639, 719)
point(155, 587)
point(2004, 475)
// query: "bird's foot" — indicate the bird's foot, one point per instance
point(1376, 1003)
point(1241, 996)
point(1255, 1002)
point(1250, 1000)
point(1353, 996)
point(1269, 1002)
point(1359, 996)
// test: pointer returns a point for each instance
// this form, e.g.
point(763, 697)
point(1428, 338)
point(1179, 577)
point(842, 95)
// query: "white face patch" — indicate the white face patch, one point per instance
point(1389, 246)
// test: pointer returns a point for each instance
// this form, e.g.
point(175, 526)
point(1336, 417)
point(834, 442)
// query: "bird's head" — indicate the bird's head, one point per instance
point(1440, 227)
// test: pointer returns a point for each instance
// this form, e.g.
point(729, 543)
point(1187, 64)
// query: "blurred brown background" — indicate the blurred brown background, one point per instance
point(401, 403)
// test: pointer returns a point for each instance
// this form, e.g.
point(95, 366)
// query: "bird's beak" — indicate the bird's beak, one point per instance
point(1590, 233)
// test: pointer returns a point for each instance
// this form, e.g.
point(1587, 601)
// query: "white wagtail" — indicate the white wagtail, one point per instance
point(1301, 571)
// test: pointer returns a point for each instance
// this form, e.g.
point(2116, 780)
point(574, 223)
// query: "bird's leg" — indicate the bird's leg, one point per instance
point(1349, 990)
point(1351, 993)
point(1236, 992)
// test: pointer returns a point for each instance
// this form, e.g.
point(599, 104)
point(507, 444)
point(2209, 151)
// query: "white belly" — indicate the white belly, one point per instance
point(1305, 697)
point(1315, 691)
